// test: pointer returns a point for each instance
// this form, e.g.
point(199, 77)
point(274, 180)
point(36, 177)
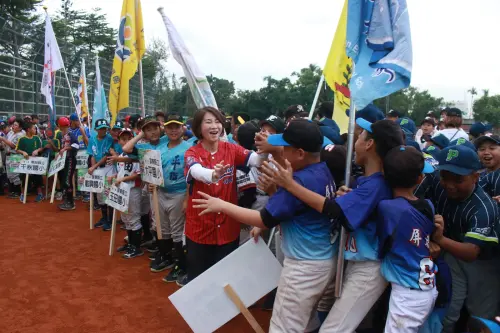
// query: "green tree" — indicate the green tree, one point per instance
point(487, 108)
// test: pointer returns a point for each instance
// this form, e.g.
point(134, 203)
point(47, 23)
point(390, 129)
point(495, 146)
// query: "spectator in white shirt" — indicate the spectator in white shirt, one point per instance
point(453, 124)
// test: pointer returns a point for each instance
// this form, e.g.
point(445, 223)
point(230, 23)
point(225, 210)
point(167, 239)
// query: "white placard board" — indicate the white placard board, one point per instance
point(82, 158)
point(151, 166)
point(32, 165)
point(57, 164)
point(251, 270)
point(118, 197)
point(93, 183)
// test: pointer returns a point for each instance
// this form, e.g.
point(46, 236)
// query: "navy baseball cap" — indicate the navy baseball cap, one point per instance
point(74, 117)
point(432, 150)
point(393, 113)
point(485, 138)
point(407, 125)
point(440, 140)
point(275, 122)
point(477, 129)
point(101, 123)
point(371, 113)
point(462, 141)
point(300, 133)
point(453, 112)
point(459, 160)
point(413, 143)
point(293, 110)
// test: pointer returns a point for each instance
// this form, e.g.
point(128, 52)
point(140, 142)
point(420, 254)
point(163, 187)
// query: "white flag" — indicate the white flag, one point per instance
point(81, 94)
point(52, 62)
point(197, 81)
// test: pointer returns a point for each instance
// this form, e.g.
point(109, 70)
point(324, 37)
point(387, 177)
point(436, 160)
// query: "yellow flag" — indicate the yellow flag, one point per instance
point(337, 72)
point(130, 47)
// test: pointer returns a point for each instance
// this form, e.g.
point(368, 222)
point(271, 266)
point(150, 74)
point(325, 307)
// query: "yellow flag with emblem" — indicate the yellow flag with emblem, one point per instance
point(337, 72)
point(130, 47)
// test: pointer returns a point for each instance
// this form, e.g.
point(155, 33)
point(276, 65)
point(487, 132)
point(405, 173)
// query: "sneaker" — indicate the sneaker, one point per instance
point(152, 248)
point(59, 196)
point(21, 198)
point(100, 223)
point(39, 197)
point(106, 226)
point(66, 206)
point(133, 252)
point(78, 197)
point(123, 248)
point(154, 255)
point(86, 199)
point(174, 274)
point(182, 280)
point(13, 195)
point(161, 263)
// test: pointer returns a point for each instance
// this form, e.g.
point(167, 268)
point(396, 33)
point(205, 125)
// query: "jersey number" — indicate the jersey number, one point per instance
point(426, 279)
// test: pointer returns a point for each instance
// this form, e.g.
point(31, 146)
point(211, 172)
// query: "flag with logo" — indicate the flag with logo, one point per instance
point(378, 40)
point(337, 72)
point(196, 79)
point(81, 94)
point(130, 47)
point(100, 110)
point(52, 62)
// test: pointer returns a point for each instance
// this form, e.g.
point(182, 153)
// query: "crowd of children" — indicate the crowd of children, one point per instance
point(420, 212)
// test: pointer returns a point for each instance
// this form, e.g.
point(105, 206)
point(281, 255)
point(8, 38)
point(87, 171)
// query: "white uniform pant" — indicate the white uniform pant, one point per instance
point(409, 309)
point(301, 285)
point(172, 217)
point(362, 287)
point(132, 219)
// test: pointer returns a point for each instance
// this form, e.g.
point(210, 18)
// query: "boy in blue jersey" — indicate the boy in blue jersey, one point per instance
point(116, 148)
point(488, 149)
point(98, 150)
point(356, 211)
point(79, 134)
point(466, 233)
point(172, 195)
point(405, 228)
point(309, 264)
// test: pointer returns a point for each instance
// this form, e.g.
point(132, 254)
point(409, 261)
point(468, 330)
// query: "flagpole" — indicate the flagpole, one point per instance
point(343, 235)
point(316, 96)
point(141, 79)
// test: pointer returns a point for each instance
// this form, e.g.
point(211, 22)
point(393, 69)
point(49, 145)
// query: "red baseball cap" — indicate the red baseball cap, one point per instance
point(127, 119)
point(12, 120)
point(63, 121)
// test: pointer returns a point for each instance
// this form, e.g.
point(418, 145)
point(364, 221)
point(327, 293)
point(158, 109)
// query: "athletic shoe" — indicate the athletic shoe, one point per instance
point(66, 206)
point(133, 252)
point(21, 198)
point(152, 248)
point(86, 199)
point(13, 195)
point(161, 263)
point(174, 274)
point(182, 280)
point(39, 197)
point(154, 255)
point(100, 223)
point(123, 248)
point(59, 196)
point(106, 227)
point(78, 197)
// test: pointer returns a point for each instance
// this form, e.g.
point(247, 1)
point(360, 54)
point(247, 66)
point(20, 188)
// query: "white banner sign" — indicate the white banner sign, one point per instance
point(93, 183)
point(151, 167)
point(32, 166)
point(118, 197)
point(82, 158)
point(57, 164)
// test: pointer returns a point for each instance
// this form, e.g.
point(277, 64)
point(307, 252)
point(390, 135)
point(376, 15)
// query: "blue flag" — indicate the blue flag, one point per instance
point(101, 110)
point(378, 40)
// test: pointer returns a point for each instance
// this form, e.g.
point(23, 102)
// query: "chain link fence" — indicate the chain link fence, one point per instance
point(21, 70)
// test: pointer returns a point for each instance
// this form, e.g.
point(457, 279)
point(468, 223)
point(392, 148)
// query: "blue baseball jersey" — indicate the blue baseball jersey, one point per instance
point(117, 148)
point(306, 233)
point(77, 137)
point(360, 210)
point(404, 233)
point(490, 182)
point(172, 161)
point(230, 139)
point(99, 147)
point(474, 220)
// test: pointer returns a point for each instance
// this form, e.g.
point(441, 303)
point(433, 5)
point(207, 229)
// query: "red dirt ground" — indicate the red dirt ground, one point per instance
point(56, 276)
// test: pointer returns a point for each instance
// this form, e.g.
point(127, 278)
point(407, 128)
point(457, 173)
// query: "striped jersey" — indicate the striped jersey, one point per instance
point(491, 183)
point(473, 220)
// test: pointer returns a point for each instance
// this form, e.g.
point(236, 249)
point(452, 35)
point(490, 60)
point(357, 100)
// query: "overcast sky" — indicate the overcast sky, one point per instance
point(245, 41)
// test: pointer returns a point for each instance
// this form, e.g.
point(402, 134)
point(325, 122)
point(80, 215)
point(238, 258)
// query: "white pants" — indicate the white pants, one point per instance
point(172, 217)
point(132, 219)
point(362, 287)
point(301, 285)
point(409, 309)
point(145, 203)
